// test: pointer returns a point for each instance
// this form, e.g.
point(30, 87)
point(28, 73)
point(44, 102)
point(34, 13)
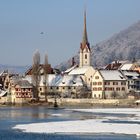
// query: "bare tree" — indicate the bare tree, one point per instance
point(36, 74)
point(45, 76)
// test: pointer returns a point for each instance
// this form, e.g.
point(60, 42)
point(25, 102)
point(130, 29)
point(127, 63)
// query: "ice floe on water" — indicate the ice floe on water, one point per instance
point(56, 115)
point(126, 125)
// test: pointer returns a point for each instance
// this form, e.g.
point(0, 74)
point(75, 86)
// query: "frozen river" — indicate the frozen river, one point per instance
point(68, 124)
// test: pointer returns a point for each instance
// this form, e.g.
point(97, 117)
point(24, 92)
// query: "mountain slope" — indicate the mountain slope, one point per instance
point(14, 69)
point(121, 46)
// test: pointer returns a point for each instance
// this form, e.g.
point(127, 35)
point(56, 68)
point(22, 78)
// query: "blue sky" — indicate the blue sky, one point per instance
point(61, 21)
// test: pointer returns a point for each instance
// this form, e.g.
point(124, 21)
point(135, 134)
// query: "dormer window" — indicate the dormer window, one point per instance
point(74, 82)
point(63, 82)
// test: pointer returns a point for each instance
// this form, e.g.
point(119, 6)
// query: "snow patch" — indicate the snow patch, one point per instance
point(99, 125)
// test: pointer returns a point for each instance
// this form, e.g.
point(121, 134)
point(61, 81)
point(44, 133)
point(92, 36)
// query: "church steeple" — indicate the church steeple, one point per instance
point(85, 52)
point(85, 38)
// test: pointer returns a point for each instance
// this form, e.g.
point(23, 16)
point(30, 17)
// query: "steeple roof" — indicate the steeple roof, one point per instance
point(85, 37)
point(85, 43)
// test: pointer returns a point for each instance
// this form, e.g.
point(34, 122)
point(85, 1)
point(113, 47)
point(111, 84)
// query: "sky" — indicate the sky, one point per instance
point(55, 27)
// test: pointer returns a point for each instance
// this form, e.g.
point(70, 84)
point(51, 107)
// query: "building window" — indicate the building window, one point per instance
point(69, 87)
point(23, 89)
point(99, 83)
point(117, 89)
point(95, 89)
point(51, 88)
point(57, 87)
point(123, 88)
point(40, 89)
point(115, 83)
point(42, 93)
point(94, 83)
point(63, 87)
point(96, 77)
point(107, 83)
point(85, 56)
point(99, 88)
point(123, 83)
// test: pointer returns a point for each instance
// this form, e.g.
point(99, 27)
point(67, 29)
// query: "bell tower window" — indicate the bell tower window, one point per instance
point(85, 56)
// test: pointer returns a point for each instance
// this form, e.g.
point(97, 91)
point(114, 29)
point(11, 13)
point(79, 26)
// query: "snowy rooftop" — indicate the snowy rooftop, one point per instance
point(80, 70)
point(70, 69)
point(112, 75)
point(132, 74)
point(59, 80)
point(126, 67)
point(70, 80)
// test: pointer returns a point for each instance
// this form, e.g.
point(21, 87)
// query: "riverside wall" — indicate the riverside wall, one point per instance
point(110, 102)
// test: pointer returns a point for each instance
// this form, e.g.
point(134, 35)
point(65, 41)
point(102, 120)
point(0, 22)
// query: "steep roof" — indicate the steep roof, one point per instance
point(59, 80)
point(85, 43)
point(127, 66)
point(112, 75)
point(23, 84)
point(70, 80)
point(85, 37)
point(80, 70)
point(131, 75)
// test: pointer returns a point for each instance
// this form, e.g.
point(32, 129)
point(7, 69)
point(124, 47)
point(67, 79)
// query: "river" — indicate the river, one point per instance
point(11, 116)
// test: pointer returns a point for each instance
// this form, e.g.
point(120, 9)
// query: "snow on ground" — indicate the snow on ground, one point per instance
point(99, 125)
point(135, 111)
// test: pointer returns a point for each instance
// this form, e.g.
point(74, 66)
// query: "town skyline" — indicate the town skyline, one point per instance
point(52, 26)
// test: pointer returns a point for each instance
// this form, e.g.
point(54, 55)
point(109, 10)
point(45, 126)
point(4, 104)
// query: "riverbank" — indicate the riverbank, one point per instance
point(96, 102)
point(64, 102)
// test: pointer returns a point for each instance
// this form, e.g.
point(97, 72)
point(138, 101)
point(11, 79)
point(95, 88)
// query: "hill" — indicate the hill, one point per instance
point(14, 69)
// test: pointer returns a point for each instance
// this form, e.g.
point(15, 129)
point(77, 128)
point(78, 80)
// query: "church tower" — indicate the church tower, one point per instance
point(85, 52)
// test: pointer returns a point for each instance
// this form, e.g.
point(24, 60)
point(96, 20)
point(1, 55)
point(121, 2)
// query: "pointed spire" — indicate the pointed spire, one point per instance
point(85, 38)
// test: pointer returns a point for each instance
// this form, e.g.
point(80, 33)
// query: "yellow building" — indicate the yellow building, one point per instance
point(61, 85)
point(108, 84)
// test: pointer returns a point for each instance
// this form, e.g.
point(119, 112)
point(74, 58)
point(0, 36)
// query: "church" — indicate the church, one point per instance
point(84, 69)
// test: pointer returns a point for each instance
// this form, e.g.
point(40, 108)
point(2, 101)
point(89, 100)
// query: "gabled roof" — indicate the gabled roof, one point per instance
point(23, 83)
point(80, 70)
point(59, 80)
point(3, 93)
point(70, 69)
point(127, 66)
point(49, 69)
point(131, 74)
point(70, 80)
point(85, 43)
point(112, 75)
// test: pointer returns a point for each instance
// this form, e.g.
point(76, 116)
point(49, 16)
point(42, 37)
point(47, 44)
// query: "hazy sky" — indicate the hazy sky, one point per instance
point(61, 21)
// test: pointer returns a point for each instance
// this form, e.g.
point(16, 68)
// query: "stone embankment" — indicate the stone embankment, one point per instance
point(110, 102)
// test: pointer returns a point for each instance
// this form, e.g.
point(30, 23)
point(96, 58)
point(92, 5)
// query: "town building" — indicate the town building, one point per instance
point(133, 81)
point(41, 69)
point(108, 84)
point(21, 91)
point(62, 86)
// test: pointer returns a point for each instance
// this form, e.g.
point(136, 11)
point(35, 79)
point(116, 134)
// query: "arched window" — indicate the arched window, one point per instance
point(85, 56)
